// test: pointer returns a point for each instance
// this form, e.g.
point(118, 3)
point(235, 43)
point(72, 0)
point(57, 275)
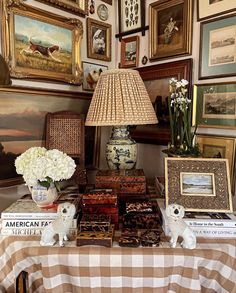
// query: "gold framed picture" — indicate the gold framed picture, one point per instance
point(198, 184)
point(41, 45)
point(98, 40)
point(170, 28)
point(129, 52)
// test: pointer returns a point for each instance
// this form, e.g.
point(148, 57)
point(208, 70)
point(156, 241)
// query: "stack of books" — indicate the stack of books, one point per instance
point(24, 217)
point(218, 225)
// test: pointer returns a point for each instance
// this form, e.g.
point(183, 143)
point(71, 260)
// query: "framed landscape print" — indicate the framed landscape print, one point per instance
point(22, 123)
point(98, 40)
point(198, 184)
point(129, 52)
point(38, 44)
point(92, 72)
point(210, 8)
point(217, 47)
point(79, 6)
point(215, 105)
point(131, 15)
point(170, 28)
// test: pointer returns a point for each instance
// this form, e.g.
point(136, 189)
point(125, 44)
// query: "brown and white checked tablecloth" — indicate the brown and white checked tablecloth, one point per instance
point(211, 267)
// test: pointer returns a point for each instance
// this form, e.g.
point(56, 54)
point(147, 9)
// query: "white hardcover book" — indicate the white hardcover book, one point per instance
point(29, 224)
point(203, 231)
point(30, 232)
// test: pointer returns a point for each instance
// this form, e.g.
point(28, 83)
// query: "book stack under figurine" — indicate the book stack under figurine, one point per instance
point(24, 217)
point(206, 224)
point(95, 230)
point(101, 202)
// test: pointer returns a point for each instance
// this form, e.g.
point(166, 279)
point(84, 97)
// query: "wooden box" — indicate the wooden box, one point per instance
point(95, 223)
point(110, 210)
point(104, 198)
point(96, 238)
point(122, 181)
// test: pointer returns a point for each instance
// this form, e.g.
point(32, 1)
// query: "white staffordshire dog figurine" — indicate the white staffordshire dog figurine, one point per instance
point(60, 226)
point(178, 227)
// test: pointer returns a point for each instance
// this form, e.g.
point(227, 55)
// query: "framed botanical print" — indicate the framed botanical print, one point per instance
point(79, 6)
point(129, 52)
point(41, 45)
point(214, 105)
point(98, 40)
point(131, 16)
point(198, 184)
point(210, 8)
point(217, 47)
point(170, 28)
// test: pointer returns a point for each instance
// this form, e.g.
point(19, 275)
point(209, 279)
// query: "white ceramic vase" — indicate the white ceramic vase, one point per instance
point(42, 196)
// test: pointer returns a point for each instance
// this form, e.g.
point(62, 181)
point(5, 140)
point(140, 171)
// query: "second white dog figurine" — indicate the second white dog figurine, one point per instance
point(60, 226)
point(178, 227)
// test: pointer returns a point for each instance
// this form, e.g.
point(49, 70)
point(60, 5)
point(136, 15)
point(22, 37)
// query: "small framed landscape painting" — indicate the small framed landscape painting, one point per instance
point(214, 105)
point(217, 47)
point(198, 184)
point(129, 52)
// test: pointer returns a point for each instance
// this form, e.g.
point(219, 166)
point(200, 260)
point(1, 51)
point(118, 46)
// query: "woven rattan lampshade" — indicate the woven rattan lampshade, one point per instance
point(120, 98)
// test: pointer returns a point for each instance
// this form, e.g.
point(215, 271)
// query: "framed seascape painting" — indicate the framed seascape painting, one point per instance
point(39, 44)
point(170, 28)
point(198, 184)
point(22, 123)
point(98, 40)
point(79, 7)
point(217, 47)
point(129, 52)
point(131, 15)
point(92, 72)
point(210, 8)
point(156, 79)
point(215, 105)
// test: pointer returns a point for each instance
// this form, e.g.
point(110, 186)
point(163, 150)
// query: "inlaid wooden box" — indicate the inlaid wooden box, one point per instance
point(96, 238)
point(122, 181)
point(95, 223)
point(104, 198)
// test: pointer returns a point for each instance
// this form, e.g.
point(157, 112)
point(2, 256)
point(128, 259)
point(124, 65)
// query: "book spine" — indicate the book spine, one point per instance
point(211, 223)
point(29, 224)
point(41, 216)
point(30, 232)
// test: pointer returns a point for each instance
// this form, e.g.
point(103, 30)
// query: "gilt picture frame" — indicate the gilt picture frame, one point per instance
point(131, 15)
point(22, 123)
point(170, 29)
point(198, 184)
point(79, 7)
point(129, 52)
point(214, 105)
point(98, 40)
point(217, 56)
point(208, 9)
point(156, 79)
point(41, 45)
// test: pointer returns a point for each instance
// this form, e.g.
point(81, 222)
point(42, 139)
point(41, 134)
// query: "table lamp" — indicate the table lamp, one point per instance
point(120, 99)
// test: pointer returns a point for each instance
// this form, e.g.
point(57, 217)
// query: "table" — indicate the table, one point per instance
point(211, 267)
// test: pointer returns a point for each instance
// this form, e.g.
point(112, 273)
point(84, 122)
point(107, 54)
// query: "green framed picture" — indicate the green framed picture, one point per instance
point(217, 50)
point(214, 105)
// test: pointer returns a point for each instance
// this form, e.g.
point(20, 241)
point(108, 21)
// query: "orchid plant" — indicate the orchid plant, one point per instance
point(41, 166)
point(182, 139)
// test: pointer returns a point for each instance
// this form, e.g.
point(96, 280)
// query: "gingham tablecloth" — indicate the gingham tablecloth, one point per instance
point(211, 267)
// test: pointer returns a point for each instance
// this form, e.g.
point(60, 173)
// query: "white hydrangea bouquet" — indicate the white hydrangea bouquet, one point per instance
point(180, 111)
point(41, 166)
